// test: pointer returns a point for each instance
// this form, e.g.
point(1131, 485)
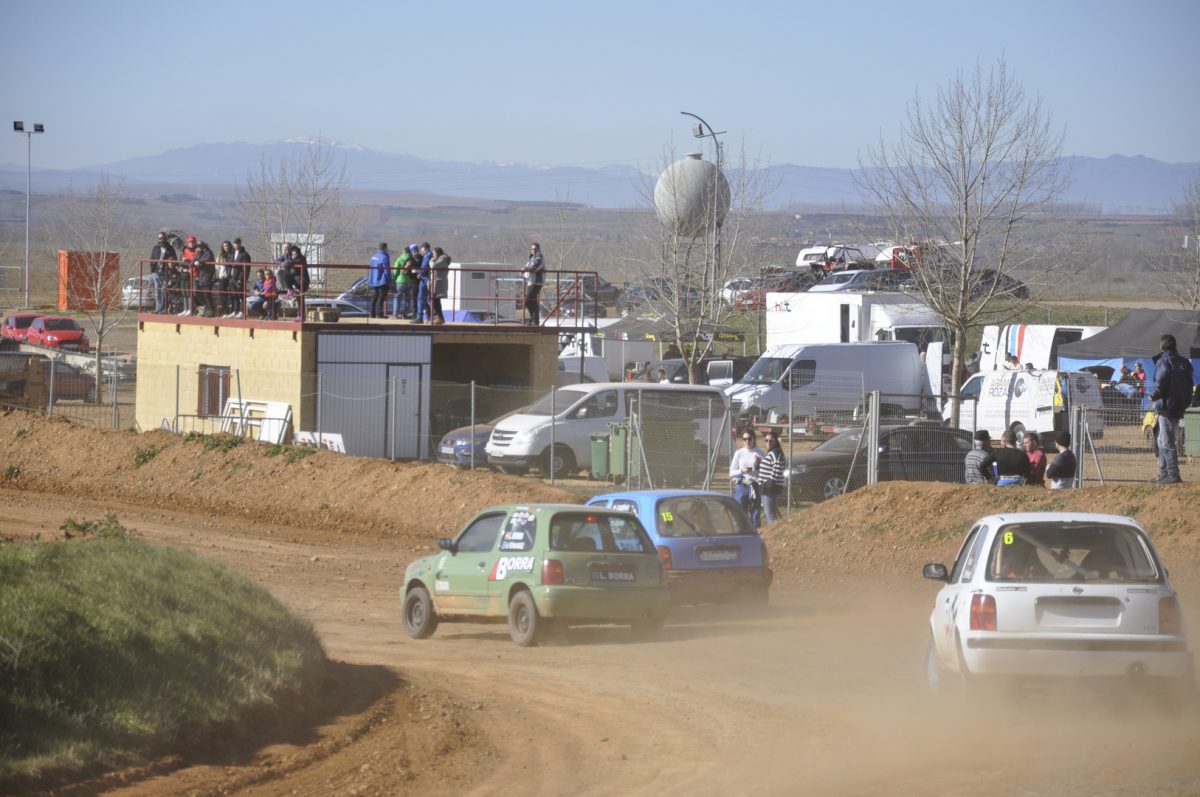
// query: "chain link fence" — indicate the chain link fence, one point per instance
point(55, 386)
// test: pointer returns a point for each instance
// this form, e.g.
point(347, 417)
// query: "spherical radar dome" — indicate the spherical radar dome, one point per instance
point(691, 196)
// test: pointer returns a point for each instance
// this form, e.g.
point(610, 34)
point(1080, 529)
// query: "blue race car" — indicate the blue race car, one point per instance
point(708, 546)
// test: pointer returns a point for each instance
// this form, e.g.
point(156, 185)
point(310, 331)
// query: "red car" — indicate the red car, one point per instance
point(16, 324)
point(57, 332)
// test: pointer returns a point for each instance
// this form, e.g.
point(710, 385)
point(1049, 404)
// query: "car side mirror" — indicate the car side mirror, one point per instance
point(935, 572)
point(448, 545)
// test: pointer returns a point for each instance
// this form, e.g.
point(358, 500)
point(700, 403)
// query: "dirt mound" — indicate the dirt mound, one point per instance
point(345, 496)
point(890, 528)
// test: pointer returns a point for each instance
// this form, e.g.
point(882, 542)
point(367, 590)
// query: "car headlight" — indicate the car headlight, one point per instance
point(52, 338)
point(794, 470)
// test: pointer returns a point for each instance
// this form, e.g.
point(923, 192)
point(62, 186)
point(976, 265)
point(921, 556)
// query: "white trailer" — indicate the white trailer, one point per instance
point(490, 291)
point(617, 354)
point(1029, 343)
point(851, 318)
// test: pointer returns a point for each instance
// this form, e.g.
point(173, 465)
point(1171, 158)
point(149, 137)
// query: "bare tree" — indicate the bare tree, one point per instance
point(1178, 271)
point(299, 198)
point(96, 230)
point(684, 267)
point(971, 181)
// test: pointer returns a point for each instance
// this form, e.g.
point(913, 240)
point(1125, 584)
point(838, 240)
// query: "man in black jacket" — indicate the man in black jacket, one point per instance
point(162, 251)
point(1010, 464)
point(1172, 395)
point(237, 277)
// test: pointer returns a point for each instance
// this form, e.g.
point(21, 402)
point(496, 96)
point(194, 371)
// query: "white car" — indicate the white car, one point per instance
point(842, 281)
point(1057, 597)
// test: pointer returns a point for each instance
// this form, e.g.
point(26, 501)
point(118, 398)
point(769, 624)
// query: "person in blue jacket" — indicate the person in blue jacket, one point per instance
point(377, 280)
point(423, 273)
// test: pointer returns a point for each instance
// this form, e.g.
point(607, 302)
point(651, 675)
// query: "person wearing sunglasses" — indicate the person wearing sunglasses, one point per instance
point(743, 474)
point(770, 475)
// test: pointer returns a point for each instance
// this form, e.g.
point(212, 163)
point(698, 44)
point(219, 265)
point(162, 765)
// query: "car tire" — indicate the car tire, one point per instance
point(90, 396)
point(561, 464)
point(832, 485)
point(525, 625)
point(647, 628)
point(420, 621)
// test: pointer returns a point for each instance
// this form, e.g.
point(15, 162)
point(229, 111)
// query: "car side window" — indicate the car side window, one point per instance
point(599, 405)
point(968, 556)
point(803, 373)
point(970, 390)
point(520, 531)
point(480, 536)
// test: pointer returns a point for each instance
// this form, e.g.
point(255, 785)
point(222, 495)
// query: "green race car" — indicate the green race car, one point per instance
point(539, 565)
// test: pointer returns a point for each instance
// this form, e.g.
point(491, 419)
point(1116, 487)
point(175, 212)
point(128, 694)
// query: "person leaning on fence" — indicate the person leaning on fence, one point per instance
point(441, 282)
point(160, 256)
point(401, 277)
point(973, 463)
point(770, 475)
point(238, 273)
point(1009, 464)
point(1061, 472)
point(743, 474)
point(187, 274)
point(378, 282)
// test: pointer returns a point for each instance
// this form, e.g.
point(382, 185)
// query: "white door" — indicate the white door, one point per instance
point(406, 437)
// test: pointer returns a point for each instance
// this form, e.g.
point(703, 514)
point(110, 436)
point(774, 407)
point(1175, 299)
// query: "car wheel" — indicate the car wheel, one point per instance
point(524, 623)
point(90, 396)
point(561, 464)
point(833, 486)
point(646, 628)
point(420, 621)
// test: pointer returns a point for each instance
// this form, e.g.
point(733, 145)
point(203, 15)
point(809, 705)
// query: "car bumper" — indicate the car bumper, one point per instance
point(689, 586)
point(460, 456)
point(1117, 656)
point(598, 604)
point(511, 460)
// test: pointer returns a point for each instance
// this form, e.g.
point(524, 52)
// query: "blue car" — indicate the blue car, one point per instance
point(455, 446)
point(708, 546)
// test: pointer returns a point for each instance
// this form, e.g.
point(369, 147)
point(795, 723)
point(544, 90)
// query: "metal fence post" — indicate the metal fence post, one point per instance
point(791, 452)
point(391, 405)
point(241, 404)
point(175, 425)
point(553, 400)
point(873, 437)
point(471, 436)
point(320, 438)
point(50, 400)
point(116, 421)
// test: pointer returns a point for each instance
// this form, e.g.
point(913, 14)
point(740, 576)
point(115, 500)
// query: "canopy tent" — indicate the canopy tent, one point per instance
point(1133, 339)
point(632, 328)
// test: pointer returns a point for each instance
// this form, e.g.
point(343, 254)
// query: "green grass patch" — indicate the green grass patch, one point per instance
point(144, 455)
point(113, 651)
point(22, 432)
point(290, 453)
point(214, 442)
point(12, 472)
point(108, 529)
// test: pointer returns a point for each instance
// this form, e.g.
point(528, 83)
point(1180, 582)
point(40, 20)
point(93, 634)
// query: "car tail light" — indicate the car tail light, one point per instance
point(1169, 620)
point(983, 613)
point(552, 572)
point(664, 556)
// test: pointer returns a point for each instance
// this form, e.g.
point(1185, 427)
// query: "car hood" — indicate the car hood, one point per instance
point(818, 458)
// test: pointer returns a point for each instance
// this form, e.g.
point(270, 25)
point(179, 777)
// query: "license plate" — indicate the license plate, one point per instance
point(720, 555)
point(625, 576)
point(446, 449)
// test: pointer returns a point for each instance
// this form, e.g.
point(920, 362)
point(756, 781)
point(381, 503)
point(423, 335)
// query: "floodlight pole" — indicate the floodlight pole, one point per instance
point(19, 127)
point(698, 132)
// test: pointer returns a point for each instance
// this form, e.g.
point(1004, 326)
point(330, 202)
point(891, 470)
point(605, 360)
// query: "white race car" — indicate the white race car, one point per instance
point(1058, 597)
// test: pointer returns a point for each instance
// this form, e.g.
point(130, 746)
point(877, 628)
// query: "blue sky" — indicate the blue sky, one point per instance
point(578, 83)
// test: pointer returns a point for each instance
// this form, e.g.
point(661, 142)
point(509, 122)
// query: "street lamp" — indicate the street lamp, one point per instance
point(19, 127)
point(698, 132)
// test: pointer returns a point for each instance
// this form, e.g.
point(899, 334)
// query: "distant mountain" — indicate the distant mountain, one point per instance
point(1117, 184)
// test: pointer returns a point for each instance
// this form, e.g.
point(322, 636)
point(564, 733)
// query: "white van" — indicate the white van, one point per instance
point(831, 378)
point(1039, 401)
point(1036, 344)
point(577, 412)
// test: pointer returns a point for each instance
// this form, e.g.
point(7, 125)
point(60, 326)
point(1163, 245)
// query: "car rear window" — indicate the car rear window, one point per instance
point(23, 322)
point(587, 531)
point(1071, 552)
point(701, 516)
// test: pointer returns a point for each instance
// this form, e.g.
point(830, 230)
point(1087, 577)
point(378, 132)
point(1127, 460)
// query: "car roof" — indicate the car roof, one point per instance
point(656, 494)
point(544, 508)
point(1059, 517)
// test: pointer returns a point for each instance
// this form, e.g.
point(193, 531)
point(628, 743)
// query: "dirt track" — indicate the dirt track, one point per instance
point(821, 696)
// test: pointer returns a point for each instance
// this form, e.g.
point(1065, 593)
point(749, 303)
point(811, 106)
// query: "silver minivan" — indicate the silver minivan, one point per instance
point(555, 432)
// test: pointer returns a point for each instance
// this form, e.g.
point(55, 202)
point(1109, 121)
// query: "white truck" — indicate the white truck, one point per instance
point(1020, 401)
point(815, 380)
point(851, 318)
point(1036, 344)
point(617, 354)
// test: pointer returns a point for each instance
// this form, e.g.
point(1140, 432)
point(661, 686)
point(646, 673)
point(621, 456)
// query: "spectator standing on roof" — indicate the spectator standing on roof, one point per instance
point(187, 274)
point(973, 463)
point(1009, 464)
point(377, 281)
point(535, 278)
point(770, 475)
point(206, 277)
point(1172, 395)
point(423, 285)
point(1061, 472)
point(224, 279)
point(402, 301)
point(441, 282)
point(743, 475)
point(1037, 460)
point(160, 256)
point(270, 294)
point(238, 275)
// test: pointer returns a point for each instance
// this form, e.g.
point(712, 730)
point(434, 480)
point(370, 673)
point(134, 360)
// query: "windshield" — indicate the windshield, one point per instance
point(845, 443)
point(767, 370)
point(1060, 551)
point(61, 324)
point(556, 401)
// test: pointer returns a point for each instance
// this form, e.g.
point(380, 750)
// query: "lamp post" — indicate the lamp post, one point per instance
point(19, 127)
point(698, 132)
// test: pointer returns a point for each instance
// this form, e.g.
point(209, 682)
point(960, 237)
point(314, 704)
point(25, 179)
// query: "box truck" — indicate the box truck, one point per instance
point(851, 318)
point(1036, 344)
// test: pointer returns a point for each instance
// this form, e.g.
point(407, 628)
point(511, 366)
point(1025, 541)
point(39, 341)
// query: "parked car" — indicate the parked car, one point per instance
point(137, 292)
point(755, 297)
point(841, 257)
point(16, 325)
point(456, 445)
point(1058, 598)
point(709, 548)
point(593, 287)
point(58, 332)
point(842, 281)
point(359, 295)
point(1000, 285)
point(917, 452)
point(69, 382)
point(716, 371)
point(538, 565)
point(346, 309)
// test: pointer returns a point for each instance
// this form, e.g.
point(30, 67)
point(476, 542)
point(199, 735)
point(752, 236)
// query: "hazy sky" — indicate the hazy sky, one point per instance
point(578, 83)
